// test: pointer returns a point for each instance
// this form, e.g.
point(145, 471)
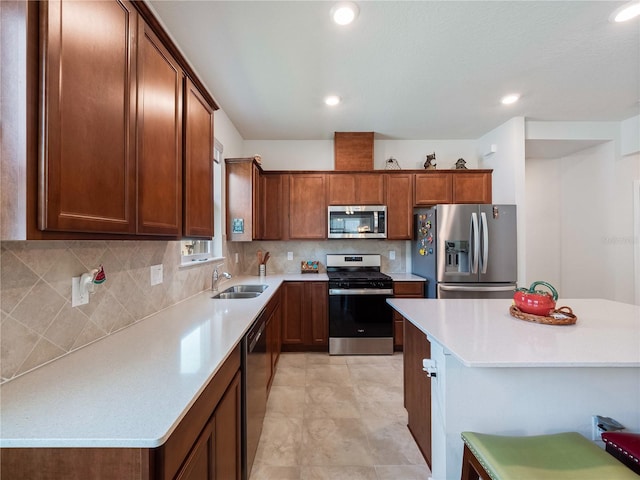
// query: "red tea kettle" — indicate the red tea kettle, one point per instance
point(536, 302)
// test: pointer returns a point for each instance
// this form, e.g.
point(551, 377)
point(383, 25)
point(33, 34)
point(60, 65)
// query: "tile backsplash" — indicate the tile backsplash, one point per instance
point(38, 323)
point(310, 250)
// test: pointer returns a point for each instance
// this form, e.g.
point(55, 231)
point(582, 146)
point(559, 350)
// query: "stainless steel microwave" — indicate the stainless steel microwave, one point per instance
point(360, 221)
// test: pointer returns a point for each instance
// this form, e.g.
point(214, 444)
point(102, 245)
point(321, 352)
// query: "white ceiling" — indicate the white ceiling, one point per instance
point(408, 69)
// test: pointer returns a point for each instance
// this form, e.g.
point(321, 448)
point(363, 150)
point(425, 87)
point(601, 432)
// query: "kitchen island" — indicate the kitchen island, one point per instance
point(498, 374)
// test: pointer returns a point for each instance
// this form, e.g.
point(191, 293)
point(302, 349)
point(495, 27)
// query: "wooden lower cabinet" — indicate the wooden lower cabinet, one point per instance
point(417, 388)
point(216, 453)
point(404, 290)
point(274, 322)
point(305, 319)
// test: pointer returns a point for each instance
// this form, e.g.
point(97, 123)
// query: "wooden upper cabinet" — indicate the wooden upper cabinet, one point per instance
point(198, 164)
point(355, 189)
point(270, 206)
point(240, 199)
point(87, 170)
point(472, 187)
point(399, 206)
point(432, 188)
point(307, 207)
point(160, 82)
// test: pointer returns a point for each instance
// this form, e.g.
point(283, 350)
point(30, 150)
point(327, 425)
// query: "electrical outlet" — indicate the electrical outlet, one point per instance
point(392, 254)
point(289, 255)
point(78, 296)
point(237, 258)
point(156, 274)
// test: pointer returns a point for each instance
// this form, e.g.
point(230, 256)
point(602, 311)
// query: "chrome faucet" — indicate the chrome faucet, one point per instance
point(215, 278)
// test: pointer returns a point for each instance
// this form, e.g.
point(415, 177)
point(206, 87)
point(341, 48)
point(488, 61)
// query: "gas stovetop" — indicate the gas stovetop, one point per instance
point(356, 271)
point(356, 275)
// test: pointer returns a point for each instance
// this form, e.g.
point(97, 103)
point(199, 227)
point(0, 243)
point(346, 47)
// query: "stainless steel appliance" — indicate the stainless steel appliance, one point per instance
point(254, 394)
point(360, 320)
point(466, 251)
point(364, 221)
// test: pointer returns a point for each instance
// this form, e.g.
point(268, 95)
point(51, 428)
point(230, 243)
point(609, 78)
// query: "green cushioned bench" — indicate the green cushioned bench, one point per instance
point(562, 456)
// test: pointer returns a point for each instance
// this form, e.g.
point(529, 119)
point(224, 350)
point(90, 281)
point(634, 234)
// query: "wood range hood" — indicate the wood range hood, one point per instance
point(353, 151)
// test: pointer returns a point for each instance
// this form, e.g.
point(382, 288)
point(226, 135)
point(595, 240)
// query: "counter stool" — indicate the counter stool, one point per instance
point(561, 456)
point(625, 447)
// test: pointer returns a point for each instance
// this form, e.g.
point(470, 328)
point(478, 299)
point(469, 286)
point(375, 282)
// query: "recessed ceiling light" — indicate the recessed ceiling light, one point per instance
point(332, 100)
point(511, 98)
point(344, 13)
point(625, 12)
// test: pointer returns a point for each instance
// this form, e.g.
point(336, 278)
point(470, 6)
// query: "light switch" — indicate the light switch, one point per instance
point(156, 274)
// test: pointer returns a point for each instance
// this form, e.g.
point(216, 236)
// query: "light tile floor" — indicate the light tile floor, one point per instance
point(337, 417)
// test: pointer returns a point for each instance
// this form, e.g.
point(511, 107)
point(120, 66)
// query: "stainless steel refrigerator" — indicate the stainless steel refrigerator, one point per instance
point(466, 251)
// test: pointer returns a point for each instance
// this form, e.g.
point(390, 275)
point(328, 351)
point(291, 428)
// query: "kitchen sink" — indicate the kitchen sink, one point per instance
point(241, 291)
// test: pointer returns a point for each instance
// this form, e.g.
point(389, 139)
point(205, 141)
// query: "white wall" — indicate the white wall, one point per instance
point(291, 154)
point(543, 221)
point(508, 179)
point(580, 215)
point(318, 154)
point(411, 154)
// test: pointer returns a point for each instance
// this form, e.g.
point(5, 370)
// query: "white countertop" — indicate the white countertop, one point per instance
point(481, 333)
point(406, 277)
point(132, 388)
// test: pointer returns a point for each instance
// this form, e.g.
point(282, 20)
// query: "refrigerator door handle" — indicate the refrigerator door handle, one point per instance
point(473, 240)
point(475, 288)
point(484, 226)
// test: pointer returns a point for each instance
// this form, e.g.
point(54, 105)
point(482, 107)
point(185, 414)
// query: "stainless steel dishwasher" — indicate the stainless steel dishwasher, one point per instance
point(254, 394)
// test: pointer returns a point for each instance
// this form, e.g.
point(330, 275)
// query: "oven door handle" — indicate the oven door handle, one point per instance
point(361, 291)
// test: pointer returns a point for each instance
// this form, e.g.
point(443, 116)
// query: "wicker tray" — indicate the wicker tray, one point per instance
point(565, 316)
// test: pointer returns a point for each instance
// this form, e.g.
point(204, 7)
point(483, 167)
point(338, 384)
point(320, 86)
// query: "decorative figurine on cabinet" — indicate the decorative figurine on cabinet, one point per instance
point(430, 158)
point(460, 164)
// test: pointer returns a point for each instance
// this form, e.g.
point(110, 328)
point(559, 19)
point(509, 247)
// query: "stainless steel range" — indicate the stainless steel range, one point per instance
point(360, 320)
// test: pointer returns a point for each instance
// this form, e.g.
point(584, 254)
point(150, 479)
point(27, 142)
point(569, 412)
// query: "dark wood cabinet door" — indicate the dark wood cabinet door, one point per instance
point(370, 189)
point(417, 388)
point(355, 189)
point(472, 188)
point(199, 465)
point(432, 188)
point(404, 290)
point(307, 207)
point(228, 434)
point(292, 313)
point(270, 207)
point(305, 319)
point(159, 175)
point(399, 207)
point(341, 189)
point(198, 164)
point(316, 303)
point(87, 171)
